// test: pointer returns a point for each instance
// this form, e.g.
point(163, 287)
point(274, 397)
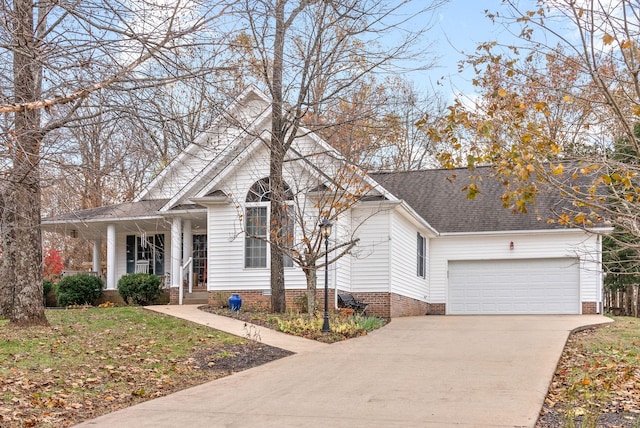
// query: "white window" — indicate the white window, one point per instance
point(145, 253)
point(255, 244)
point(200, 259)
point(422, 259)
point(256, 225)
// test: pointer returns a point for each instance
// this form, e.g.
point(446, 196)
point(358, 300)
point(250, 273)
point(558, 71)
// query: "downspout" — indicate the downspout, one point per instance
point(600, 309)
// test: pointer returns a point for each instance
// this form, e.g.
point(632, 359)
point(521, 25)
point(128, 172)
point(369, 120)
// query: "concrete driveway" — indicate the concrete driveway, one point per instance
point(431, 371)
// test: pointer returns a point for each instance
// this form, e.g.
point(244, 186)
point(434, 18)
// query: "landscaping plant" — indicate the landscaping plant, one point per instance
point(139, 288)
point(80, 289)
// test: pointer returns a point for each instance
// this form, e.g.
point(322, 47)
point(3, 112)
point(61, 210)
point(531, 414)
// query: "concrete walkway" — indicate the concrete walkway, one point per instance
point(474, 371)
point(270, 337)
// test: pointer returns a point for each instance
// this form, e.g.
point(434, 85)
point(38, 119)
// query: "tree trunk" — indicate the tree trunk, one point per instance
point(7, 283)
point(276, 160)
point(22, 241)
point(278, 297)
point(312, 280)
point(628, 302)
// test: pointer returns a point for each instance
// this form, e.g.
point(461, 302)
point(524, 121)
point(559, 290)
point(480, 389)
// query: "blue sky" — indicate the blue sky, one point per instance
point(458, 28)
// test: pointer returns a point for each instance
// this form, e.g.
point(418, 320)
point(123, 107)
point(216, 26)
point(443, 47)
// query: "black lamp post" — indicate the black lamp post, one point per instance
point(325, 232)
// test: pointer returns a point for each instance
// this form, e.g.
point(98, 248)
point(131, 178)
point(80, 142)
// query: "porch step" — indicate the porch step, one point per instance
point(196, 298)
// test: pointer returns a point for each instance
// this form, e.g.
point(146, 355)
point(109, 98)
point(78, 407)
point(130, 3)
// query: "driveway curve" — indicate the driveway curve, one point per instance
point(431, 371)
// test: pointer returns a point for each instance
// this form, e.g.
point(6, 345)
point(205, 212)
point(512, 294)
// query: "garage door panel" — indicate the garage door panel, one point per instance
point(535, 286)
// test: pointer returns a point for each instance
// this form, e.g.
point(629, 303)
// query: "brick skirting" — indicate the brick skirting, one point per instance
point(257, 300)
point(589, 308)
point(437, 309)
point(383, 305)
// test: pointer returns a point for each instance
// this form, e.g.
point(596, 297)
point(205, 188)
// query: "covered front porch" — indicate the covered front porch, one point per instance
point(136, 237)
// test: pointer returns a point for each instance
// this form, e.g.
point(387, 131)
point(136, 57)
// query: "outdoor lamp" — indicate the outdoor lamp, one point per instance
point(325, 228)
point(325, 232)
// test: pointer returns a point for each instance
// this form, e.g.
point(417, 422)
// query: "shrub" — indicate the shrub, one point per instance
point(80, 289)
point(47, 286)
point(139, 288)
point(369, 323)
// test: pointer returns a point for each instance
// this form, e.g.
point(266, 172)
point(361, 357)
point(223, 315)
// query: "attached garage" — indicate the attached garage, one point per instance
point(529, 286)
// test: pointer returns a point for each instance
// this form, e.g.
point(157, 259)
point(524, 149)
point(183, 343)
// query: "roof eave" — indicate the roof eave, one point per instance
point(211, 200)
point(528, 231)
point(100, 220)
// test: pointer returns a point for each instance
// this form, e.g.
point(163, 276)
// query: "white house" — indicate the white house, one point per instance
point(423, 247)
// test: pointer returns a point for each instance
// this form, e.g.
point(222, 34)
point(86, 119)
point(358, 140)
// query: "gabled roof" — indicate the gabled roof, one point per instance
point(192, 167)
point(437, 196)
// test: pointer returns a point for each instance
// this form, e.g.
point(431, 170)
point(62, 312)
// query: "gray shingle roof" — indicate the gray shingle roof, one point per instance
point(112, 212)
point(437, 196)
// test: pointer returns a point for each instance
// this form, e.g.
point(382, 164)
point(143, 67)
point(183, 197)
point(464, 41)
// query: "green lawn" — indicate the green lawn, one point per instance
point(93, 361)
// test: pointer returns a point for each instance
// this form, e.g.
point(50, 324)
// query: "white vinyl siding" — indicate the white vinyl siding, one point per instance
point(342, 267)
point(370, 261)
point(226, 246)
point(403, 278)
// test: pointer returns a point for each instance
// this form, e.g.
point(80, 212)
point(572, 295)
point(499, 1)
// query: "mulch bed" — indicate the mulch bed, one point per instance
point(236, 358)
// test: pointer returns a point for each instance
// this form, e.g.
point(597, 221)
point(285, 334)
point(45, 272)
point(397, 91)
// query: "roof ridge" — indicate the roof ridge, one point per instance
point(461, 168)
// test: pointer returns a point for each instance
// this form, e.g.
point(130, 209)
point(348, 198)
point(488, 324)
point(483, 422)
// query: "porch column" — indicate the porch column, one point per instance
point(97, 256)
point(111, 257)
point(187, 249)
point(176, 251)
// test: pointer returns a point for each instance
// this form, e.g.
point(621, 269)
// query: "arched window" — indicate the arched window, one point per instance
point(261, 191)
point(256, 224)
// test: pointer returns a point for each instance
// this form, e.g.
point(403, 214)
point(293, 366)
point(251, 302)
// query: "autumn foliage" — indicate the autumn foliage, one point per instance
point(53, 265)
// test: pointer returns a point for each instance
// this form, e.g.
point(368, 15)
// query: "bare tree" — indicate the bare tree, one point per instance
point(308, 55)
point(54, 56)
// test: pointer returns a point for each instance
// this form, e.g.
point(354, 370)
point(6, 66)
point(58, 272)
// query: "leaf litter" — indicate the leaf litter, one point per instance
point(95, 361)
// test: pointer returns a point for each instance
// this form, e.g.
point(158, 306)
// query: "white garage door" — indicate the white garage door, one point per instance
point(538, 286)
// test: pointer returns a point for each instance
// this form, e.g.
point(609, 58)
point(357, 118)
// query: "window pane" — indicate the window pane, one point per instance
point(255, 253)
point(288, 229)
point(200, 259)
point(421, 250)
point(255, 227)
point(256, 222)
point(159, 256)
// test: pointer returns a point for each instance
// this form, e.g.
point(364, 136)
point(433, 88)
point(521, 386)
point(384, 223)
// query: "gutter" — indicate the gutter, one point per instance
point(100, 220)
point(603, 230)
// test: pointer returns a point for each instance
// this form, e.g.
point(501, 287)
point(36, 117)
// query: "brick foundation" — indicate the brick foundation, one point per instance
point(379, 303)
point(589, 308)
point(174, 293)
point(403, 306)
point(256, 300)
point(437, 309)
point(383, 305)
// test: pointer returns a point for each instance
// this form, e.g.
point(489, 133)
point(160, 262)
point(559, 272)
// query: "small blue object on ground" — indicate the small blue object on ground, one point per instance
point(235, 302)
